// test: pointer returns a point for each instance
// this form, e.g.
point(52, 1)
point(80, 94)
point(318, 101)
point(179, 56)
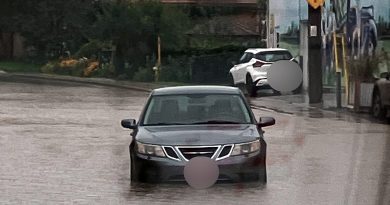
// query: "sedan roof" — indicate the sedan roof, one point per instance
point(258, 50)
point(196, 90)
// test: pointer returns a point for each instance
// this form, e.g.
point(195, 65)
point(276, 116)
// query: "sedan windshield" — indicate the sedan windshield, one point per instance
point(196, 109)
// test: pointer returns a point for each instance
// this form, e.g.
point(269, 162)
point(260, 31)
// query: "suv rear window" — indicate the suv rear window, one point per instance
point(273, 56)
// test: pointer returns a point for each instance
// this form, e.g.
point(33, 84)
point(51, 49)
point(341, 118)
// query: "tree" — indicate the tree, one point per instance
point(50, 23)
point(46, 24)
point(133, 29)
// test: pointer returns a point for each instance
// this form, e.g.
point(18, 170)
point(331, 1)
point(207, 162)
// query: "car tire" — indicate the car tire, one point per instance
point(133, 174)
point(298, 90)
point(377, 110)
point(256, 177)
point(250, 86)
point(263, 175)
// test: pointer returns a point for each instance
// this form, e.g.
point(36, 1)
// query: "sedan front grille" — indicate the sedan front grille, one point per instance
point(194, 151)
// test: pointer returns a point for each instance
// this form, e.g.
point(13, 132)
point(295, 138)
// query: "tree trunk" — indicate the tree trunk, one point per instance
point(12, 45)
point(118, 60)
point(7, 45)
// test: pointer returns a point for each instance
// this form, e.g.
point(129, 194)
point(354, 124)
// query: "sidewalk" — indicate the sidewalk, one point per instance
point(140, 86)
point(298, 103)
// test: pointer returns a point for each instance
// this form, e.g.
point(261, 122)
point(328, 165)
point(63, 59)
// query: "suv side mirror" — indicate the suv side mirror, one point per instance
point(129, 123)
point(266, 121)
point(234, 63)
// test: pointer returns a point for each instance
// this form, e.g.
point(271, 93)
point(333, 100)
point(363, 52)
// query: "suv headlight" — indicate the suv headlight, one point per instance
point(246, 148)
point(149, 149)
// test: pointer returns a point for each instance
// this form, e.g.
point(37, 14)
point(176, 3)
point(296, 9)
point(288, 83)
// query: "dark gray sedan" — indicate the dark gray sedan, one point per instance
point(181, 123)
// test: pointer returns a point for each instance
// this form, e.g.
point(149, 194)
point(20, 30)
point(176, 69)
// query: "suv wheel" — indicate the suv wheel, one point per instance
point(298, 90)
point(231, 81)
point(377, 110)
point(250, 86)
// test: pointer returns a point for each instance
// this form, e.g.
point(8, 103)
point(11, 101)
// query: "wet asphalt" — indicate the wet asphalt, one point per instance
point(62, 143)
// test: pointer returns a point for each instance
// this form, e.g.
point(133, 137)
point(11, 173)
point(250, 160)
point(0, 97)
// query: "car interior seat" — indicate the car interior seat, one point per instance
point(169, 111)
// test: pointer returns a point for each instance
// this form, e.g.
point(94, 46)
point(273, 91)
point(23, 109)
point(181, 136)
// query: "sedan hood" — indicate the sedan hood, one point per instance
point(201, 135)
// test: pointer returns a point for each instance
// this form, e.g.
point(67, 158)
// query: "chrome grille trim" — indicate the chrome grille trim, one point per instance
point(170, 157)
point(228, 155)
point(218, 148)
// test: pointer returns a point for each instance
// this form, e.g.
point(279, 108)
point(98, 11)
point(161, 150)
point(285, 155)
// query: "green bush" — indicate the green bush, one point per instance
point(106, 70)
point(144, 75)
point(54, 67)
point(77, 70)
point(49, 67)
point(176, 70)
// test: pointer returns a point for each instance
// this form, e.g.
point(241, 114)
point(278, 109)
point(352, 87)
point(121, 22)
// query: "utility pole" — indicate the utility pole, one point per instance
point(315, 59)
point(157, 67)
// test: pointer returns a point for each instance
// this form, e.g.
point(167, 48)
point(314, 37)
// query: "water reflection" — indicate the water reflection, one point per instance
point(182, 193)
point(384, 177)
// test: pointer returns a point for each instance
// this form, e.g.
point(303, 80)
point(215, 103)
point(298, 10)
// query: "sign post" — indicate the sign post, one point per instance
point(316, 3)
point(315, 50)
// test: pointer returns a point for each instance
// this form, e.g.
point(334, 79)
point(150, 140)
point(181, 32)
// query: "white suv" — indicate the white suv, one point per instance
point(251, 69)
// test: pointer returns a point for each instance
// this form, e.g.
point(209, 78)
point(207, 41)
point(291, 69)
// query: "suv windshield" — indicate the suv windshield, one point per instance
point(273, 56)
point(196, 109)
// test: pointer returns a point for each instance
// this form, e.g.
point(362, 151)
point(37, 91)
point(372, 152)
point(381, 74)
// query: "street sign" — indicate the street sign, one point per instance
point(316, 3)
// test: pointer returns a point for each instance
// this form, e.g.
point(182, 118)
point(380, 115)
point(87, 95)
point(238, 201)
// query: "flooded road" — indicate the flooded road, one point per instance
point(62, 143)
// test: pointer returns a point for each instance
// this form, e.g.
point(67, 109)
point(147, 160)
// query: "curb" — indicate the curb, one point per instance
point(94, 81)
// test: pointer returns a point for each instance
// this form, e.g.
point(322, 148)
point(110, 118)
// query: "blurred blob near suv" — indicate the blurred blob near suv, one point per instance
point(252, 67)
point(381, 97)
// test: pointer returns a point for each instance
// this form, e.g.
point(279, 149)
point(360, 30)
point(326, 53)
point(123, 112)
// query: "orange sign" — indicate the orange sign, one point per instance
point(316, 3)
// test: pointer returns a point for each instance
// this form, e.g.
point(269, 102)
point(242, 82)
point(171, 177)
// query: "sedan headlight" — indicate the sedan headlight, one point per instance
point(246, 148)
point(149, 149)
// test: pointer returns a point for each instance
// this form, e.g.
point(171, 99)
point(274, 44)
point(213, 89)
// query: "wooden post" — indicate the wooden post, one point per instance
point(345, 67)
point(158, 66)
point(159, 51)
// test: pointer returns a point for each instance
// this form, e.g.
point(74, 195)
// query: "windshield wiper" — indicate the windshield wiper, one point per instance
point(216, 122)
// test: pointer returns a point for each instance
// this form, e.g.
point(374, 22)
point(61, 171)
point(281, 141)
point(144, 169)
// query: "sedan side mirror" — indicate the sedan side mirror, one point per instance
point(129, 123)
point(266, 121)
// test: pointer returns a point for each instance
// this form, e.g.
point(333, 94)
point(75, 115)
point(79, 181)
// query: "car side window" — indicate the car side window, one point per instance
point(261, 56)
point(249, 57)
point(246, 58)
point(274, 56)
point(243, 58)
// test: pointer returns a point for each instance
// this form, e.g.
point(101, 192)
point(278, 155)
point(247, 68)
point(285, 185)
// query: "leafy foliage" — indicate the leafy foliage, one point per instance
point(363, 69)
point(53, 26)
point(133, 29)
